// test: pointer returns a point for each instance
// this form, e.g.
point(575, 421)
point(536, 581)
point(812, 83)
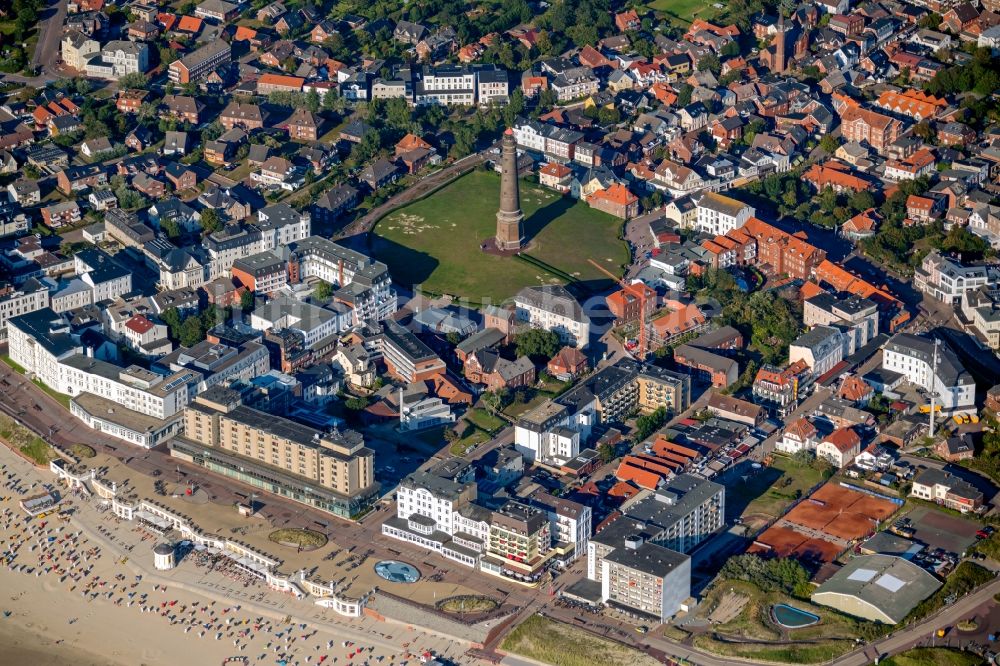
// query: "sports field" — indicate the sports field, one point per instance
point(435, 243)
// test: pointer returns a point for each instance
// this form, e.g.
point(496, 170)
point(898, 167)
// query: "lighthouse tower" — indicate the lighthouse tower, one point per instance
point(510, 219)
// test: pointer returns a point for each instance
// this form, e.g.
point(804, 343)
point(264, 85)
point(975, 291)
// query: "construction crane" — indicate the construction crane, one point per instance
point(638, 291)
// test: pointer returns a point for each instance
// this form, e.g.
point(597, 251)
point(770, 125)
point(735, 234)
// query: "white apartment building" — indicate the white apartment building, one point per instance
point(647, 578)
point(446, 85)
point(133, 387)
point(118, 58)
point(363, 282)
point(316, 324)
point(855, 315)
point(570, 524)
point(947, 279)
point(821, 348)
point(552, 433)
point(30, 297)
point(718, 214)
point(553, 308)
point(281, 225)
point(913, 357)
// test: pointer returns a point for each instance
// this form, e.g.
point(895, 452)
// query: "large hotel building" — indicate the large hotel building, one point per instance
point(332, 471)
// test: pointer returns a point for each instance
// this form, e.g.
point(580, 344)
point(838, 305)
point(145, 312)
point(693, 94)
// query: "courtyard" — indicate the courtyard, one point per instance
point(434, 244)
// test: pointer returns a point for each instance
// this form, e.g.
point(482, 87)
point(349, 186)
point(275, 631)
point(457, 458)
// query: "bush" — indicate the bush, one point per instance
point(770, 575)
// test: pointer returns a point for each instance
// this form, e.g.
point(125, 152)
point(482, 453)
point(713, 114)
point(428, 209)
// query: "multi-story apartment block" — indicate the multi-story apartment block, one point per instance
point(658, 387)
point(262, 273)
point(556, 143)
point(492, 85)
point(570, 524)
point(200, 63)
point(856, 315)
point(317, 325)
point(643, 549)
point(780, 389)
point(821, 348)
point(119, 58)
point(446, 85)
point(281, 225)
point(332, 471)
point(406, 357)
point(718, 214)
point(865, 126)
point(520, 540)
point(29, 297)
point(947, 279)
point(643, 577)
point(362, 282)
point(78, 48)
point(938, 371)
point(553, 308)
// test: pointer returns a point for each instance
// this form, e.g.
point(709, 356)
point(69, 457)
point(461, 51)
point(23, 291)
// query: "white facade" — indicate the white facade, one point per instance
point(718, 214)
point(571, 331)
point(912, 357)
point(821, 348)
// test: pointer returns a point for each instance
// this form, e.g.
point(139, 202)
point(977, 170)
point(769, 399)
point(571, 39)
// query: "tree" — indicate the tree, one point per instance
point(537, 344)
point(210, 221)
point(776, 574)
point(829, 143)
point(607, 453)
point(684, 95)
point(647, 424)
point(323, 291)
point(356, 404)
point(133, 81)
point(246, 301)
point(191, 332)
point(495, 401)
point(710, 63)
point(454, 337)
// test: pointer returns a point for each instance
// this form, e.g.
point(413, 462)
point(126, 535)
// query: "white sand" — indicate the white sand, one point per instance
point(63, 611)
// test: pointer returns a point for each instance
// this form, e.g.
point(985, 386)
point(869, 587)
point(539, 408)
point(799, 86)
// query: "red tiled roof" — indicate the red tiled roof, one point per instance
point(139, 324)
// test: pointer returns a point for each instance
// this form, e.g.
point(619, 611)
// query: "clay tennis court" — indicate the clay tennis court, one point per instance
point(786, 542)
point(840, 512)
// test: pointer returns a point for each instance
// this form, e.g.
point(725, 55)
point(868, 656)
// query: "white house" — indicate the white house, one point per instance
point(553, 308)
point(913, 357)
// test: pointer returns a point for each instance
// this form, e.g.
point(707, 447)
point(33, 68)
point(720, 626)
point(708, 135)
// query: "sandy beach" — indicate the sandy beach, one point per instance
point(70, 598)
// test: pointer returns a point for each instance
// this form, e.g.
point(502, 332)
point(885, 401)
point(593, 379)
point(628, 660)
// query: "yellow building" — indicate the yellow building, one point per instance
point(333, 471)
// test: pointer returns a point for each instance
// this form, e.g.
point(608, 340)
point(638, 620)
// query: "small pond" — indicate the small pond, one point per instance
point(397, 572)
point(791, 617)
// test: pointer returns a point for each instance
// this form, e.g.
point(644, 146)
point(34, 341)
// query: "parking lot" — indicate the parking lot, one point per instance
point(940, 530)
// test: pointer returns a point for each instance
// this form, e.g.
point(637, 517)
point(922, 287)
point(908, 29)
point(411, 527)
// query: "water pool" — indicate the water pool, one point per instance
point(397, 572)
point(791, 617)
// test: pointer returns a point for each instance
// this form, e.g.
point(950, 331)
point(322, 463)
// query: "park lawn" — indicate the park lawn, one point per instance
point(560, 644)
point(766, 493)
point(685, 11)
point(934, 657)
point(435, 243)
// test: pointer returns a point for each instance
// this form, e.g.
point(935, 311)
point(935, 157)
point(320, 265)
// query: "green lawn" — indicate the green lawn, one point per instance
point(560, 644)
point(12, 364)
point(435, 243)
point(61, 398)
point(772, 489)
point(484, 420)
point(934, 657)
point(752, 634)
point(685, 11)
point(39, 451)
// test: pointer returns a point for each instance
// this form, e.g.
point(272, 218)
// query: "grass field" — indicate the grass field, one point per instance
point(435, 243)
point(563, 645)
point(771, 489)
point(934, 657)
point(685, 11)
point(753, 635)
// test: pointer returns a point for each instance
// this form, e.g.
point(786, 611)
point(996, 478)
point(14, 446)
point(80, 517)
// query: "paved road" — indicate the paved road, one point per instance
point(49, 33)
